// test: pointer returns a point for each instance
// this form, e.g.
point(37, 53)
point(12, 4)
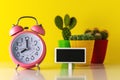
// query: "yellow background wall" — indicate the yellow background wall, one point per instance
point(104, 14)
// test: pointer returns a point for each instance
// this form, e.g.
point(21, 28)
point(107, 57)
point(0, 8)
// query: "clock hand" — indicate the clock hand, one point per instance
point(27, 44)
point(23, 50)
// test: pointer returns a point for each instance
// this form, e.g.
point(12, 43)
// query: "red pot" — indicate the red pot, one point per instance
point(99, 52)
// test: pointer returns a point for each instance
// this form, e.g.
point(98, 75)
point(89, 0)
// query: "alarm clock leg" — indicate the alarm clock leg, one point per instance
point(37, 65)
point(17, 66)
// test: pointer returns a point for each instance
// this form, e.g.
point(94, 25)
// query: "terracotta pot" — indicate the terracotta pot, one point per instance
point(99, 52)
point(88, 44)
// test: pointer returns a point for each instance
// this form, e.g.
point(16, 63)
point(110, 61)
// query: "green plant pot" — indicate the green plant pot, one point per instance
point(64, 66)
point(64, 43)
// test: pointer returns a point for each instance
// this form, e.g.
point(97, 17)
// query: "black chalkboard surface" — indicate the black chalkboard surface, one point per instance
point(73, 55)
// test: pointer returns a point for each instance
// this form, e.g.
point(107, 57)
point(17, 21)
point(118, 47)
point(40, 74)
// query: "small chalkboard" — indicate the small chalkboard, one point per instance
point(70, 55)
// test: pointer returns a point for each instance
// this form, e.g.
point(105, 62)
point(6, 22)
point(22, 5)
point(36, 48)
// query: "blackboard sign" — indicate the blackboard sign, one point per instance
point(70, 55)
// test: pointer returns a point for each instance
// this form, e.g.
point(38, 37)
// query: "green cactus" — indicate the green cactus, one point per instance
point(69, 24)
point(67, 20)
point(59, 22)
point(82, 37)
point(88, 31)
point(96, 30)
point(104, 34)
point(66, 33)
point(88, 37)
point(73, 37)
point(98, 36)
point(73, 22)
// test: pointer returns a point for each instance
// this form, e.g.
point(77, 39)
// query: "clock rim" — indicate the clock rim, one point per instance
point(33, 64)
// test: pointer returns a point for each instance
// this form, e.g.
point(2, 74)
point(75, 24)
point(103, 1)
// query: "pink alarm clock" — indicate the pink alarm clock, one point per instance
point(27, 48)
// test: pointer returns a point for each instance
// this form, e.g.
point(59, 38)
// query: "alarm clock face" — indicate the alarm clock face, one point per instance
point(27, 48)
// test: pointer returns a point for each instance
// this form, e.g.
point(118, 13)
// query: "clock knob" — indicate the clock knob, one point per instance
point(15, 29)
point(39, 29)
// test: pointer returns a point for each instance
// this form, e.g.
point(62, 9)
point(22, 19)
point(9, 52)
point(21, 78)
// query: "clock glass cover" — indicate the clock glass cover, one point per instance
point(27, 48)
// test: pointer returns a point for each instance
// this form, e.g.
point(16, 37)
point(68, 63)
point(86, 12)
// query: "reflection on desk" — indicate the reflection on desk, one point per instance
point(71, 78)
point(99, 72)
point(93, 72)
point(28, 75)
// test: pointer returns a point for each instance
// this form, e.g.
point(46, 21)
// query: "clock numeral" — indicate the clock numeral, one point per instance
point(37, 48)
point(31, 39)
point(27, 59)
point(21, 39)
point(32, 57)
point(19, 44)
point(17, 54)
point(36, 53)
point(35, 42)
point(26, 38)
point(16, 48)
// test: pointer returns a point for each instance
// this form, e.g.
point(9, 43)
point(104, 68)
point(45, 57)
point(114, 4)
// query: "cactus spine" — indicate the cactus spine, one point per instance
point(69, 24)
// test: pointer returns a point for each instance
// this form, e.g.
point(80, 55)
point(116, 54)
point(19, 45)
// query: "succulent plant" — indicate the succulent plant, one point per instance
point(95, 30)
point(88, 37)
point(98, 35)
point(73, 37)
point(59, 22)
point(82, 37)
point(69, 24)
point(88, 31)
point(104, 34)
point(66, 33)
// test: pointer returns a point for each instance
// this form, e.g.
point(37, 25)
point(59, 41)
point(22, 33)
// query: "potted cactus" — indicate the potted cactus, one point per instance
point(65, 25)
point(83, 41)
point(100, 46)
point(69, 23)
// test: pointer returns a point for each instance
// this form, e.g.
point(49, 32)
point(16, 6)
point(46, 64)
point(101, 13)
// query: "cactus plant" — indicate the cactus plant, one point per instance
point(73, 22)
point(88, 31)
point(66, 33)
point(88, 37)
point(59, 22)
point(98, 35)
point(69, 24)
point(95, 30)
point(104, 34)
point(82, 37)
point(67, 20)
point(73, 37)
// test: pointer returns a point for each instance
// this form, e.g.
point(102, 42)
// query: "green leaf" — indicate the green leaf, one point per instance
point(73, 22)
point(59, 22)
point(67, 20)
